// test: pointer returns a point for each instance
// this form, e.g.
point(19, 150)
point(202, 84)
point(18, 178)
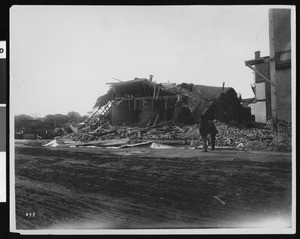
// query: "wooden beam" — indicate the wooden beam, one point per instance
point(141, 104)
point(166, 107)
point(134, 104)
point(258, 61)
point(148, 89)
point(155, 119)
point(111, 83)
point(89, 118)
point(152, 103)
point(265, 78)
point(157, 93)
point(150, 97)
point(117, 79)
point(166, 103)
point(144, 90)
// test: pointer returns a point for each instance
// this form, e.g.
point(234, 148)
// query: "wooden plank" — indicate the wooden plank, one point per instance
point(148, 89)
point(155, 119)
point(134, 104)
point(89, 119)
point(74, 129)
point(150, 97)
point(136, 145)
point(144, 90)
point(166, 103)
point(110, 142)
point(261, 60)
point(152, 103)
point(157, 93)
point(165, 141)
point(264, 77)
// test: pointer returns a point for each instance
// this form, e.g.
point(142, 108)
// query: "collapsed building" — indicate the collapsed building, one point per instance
point(143, 113)
point(142, 102)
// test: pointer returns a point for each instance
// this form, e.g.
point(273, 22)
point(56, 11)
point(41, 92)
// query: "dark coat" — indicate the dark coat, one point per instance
point(207, 126)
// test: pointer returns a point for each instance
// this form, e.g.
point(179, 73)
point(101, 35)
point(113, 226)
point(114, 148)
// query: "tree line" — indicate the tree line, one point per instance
point(52, 122)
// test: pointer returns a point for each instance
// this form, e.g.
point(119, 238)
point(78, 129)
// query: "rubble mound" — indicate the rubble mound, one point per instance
point(255, 136)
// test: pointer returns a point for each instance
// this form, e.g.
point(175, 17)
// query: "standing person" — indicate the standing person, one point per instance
point(207, 126)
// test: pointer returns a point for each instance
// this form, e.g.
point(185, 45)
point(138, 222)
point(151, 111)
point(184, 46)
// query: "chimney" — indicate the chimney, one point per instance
point(150, 77)
point(257, 54)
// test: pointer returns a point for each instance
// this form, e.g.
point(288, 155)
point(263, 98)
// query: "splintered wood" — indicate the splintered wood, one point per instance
point(254, 137)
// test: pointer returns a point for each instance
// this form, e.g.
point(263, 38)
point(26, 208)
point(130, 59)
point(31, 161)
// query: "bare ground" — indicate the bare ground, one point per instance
point(59, 188)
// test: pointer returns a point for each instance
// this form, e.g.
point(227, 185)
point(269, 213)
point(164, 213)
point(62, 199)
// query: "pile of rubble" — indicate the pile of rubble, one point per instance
point(102, 130)
point(243, 138)
point(284, 135)
point(254, 138)
point(257, 137)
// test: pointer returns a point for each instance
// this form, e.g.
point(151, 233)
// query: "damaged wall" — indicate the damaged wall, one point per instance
point(143, 103)
point(142, 112)
point(149, 113)
point(122, 112)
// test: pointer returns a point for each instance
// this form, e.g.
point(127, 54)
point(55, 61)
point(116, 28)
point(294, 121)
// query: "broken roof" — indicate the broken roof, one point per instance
point(140, 87)
point(209, 92)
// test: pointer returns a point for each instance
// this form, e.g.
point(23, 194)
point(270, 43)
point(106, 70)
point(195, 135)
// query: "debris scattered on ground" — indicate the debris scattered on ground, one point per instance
point(254, 138)
point(160, 146)
point(52, 143)
point(240, 146)
point(285, 135)
point(98, 131)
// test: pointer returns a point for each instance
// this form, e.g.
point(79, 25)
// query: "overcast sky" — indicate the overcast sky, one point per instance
point(61, 57)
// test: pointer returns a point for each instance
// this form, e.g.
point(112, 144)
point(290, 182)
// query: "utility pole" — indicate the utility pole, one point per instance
point(273, 78)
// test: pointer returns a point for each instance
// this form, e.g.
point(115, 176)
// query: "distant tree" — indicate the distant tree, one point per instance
point(54, 121)
point(21, 121)
point(61, 120)
point(22, 116)
point(48, 122)
point(74, 117)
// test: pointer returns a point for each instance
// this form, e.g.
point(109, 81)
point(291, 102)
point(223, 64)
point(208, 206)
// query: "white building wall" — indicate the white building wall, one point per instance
point(260, 91)
point(259, 110)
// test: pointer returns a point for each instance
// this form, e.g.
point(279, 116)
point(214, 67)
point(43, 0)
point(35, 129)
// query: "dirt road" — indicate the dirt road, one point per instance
point(149, 188)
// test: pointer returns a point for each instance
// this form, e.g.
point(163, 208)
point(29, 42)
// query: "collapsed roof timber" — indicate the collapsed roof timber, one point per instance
point(142, 102)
